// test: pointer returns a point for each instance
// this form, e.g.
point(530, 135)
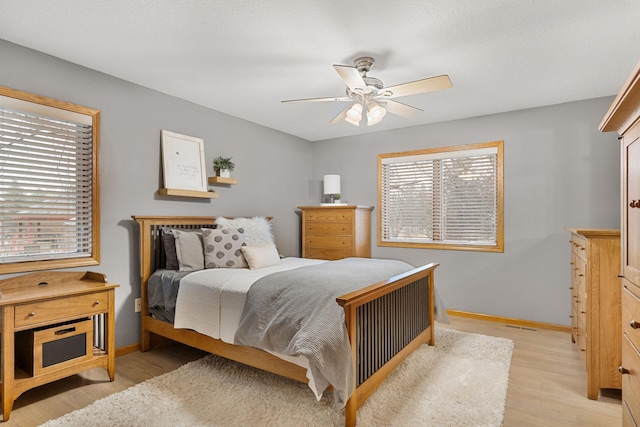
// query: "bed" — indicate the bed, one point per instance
point(384, 320)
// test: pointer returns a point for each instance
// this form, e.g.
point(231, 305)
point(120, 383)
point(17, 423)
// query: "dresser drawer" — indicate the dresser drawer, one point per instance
point(631, 315)
point(328, 254)
point(329, 215)
point(337, 228)
point(627, 418)
point(631, 381)
point(60, 309)
point(579, 246)
point(328, 241)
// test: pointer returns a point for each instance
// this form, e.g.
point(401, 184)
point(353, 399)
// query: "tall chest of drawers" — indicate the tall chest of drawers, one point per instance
point(336, 232)
point(623, 117)
point(595, 305)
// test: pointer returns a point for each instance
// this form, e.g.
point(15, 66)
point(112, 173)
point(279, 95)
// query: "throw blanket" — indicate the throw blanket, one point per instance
point(295, 313)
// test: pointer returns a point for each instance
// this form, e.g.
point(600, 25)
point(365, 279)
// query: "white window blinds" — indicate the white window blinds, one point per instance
point(46, 173)
point(444, 197)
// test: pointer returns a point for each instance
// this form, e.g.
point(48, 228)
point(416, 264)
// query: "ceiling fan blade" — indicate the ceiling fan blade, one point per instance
point(333, 98)
point(419, 86)
point(340, 117)
point(400, 109)
point(351, 77)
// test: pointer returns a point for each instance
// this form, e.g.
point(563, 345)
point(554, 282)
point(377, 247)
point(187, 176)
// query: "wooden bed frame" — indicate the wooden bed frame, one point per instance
point(386, 321)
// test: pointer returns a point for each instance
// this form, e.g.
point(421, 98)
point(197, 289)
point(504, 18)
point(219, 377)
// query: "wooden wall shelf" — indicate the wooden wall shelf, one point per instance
point(217, 180)
point(188, 193)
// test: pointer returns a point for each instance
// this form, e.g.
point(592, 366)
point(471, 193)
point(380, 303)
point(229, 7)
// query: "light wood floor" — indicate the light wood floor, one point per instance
point(547, 385)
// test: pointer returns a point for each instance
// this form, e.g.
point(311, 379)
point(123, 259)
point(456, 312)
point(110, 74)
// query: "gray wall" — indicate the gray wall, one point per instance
point(558, 171)
point(273, 168)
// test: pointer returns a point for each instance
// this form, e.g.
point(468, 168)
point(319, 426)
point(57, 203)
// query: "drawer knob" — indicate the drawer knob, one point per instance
point(623, 370)
point(33, 313)
point(96, 303)
point(634, 324)
point(635, 204)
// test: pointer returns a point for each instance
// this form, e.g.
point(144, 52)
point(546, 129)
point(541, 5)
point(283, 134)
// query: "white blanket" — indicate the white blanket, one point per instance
point(210, 301)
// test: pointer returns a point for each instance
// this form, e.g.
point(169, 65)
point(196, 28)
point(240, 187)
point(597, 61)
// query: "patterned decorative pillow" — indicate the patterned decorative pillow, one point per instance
point(189, 250)
point(257, 230)
point(223, 248)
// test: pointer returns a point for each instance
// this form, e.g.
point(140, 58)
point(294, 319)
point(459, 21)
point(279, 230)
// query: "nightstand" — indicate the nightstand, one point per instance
point(54, 325)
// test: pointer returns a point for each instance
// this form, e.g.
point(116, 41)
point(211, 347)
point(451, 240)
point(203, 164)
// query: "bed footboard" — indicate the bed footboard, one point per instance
point(386, 322)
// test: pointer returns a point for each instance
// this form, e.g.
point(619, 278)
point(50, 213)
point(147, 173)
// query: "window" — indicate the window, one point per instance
point(442, 198)
point(49, 200)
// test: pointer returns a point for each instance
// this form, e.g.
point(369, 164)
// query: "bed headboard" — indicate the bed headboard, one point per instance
point(151, 248)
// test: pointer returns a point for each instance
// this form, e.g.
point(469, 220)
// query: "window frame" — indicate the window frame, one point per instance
point(94, 257)
point(499, 245)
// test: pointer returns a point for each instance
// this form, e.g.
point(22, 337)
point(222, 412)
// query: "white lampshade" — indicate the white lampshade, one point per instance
point(354, 114)
point(375, 113)
point(332, 184)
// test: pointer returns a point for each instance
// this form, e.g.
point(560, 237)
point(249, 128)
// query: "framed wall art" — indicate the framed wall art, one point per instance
point(183, 162)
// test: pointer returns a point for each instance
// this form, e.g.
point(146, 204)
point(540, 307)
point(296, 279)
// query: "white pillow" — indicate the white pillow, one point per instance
point(261, 256)
point(257, 230)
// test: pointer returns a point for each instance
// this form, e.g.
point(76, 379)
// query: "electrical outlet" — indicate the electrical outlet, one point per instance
point(138, 305)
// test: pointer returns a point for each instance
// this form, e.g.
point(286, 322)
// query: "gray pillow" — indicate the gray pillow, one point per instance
point(189, 250)
point(223, 248)
point(169, 244)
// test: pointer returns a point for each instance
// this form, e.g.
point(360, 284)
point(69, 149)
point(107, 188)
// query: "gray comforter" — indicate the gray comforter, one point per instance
point(295, 313)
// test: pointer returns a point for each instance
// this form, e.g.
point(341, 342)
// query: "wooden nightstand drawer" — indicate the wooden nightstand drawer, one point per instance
point(60, 309)
point(329, 241)
point(337, 228)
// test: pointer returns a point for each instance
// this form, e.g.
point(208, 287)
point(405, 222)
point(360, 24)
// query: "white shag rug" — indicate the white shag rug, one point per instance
point(461, 381)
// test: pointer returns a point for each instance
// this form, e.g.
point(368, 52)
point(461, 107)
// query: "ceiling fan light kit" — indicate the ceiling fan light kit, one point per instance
point(369, 94)
point(354, 114)
point(375, 113)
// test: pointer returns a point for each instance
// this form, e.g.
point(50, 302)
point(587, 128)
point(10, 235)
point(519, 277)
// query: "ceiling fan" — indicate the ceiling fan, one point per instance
point(368, 95)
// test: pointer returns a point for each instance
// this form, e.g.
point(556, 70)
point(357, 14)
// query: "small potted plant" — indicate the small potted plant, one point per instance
point(223, 166)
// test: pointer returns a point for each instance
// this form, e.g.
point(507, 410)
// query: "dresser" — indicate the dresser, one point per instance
point(336, 232)
point(54, 325)
point(595, 305)
point(623, 117)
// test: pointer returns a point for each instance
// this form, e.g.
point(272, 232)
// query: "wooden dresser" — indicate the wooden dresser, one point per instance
point(624, 117)
point(54, 325)
point(595, 305)
point(336, 232)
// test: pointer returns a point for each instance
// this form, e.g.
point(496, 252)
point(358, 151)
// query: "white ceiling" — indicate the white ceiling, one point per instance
point(242, 57)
